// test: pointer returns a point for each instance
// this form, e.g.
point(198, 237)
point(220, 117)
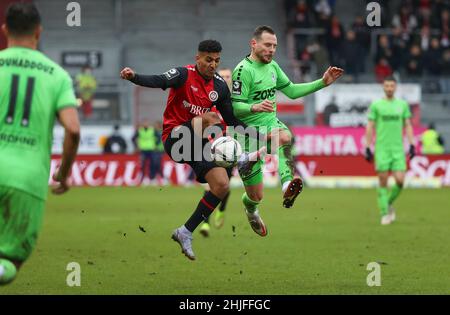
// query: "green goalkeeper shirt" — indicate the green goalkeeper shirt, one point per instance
point(254, 82)
point(389, 117)
point(33, 90)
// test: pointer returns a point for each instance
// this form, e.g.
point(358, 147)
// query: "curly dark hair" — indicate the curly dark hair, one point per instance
point(209, 45)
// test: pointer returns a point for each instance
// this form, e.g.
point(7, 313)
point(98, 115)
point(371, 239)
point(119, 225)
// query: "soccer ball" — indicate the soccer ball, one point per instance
point(225, 151)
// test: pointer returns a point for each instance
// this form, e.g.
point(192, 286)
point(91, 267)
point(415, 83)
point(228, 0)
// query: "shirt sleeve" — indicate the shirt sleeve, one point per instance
point(297, 90)
point(240, 91)
point(175, 78)
point(406, 111)
point(282, 79)
point(372, 113)
point(66, 94)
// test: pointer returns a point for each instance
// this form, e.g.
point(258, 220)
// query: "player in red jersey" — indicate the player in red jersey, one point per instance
point(194, 90)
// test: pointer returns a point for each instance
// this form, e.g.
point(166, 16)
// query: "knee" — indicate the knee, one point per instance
point(285, 139)
point(211, 119)
point(220, 188)
point(256, 196)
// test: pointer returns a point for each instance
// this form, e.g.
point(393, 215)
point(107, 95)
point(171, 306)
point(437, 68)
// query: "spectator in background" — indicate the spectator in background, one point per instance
point(438, 6)
point(433, 58)
point(144, 140)
point(115, 143)
point(157, 156)
point(414, 63)
point(445, 39)
point(362, 32)
point(424, 13)
point(382, 70)
point(425, 38)
point(406, 21)
point(399, 48)
point(226, 74)
point(352, 56)
point(323, 13)
point(384, 49)
point(299, 17)
point(443, 23)
point(330, 109)
point(319, 55)
point(445, 71)
point(86, 87)
point(334, 38)
point(305, 65)
point(432, 141)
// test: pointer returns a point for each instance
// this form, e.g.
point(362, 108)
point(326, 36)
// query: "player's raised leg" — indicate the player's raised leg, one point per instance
point(208, 172)
point(290, 186)
point(219, 187)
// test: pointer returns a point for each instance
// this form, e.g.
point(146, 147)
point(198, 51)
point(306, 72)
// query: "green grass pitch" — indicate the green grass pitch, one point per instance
point(320, 246)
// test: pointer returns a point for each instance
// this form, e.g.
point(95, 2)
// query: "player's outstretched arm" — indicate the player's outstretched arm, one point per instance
point(173, 78)
point(294, 91)
point(68, 117)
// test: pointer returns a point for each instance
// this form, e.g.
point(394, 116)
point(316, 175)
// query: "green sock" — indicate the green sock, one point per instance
point(285, 163)
point(395, 192)
point(383, 200)
point(249, 204)
point(7, 271)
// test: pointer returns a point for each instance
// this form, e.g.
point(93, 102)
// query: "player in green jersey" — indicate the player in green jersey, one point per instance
point(388, 117)
point(34, 90)
point(255, 80)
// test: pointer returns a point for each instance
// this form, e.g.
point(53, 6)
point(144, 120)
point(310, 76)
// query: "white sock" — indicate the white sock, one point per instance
point(285, 186)
point(2, 270)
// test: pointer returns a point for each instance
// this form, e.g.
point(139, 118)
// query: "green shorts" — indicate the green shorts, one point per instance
point(256, 175)
point(390, 161)
point(21, 217)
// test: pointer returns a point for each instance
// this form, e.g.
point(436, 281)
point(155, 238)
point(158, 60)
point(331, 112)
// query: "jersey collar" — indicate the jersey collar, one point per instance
point(253, 62)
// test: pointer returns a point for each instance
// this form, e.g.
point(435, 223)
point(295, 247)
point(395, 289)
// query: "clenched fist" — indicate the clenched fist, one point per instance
point(127, 73)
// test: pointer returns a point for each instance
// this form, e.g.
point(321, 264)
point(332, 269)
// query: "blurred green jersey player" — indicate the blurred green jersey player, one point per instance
point(388, 117)
point(34, 91)
point(255, 80)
